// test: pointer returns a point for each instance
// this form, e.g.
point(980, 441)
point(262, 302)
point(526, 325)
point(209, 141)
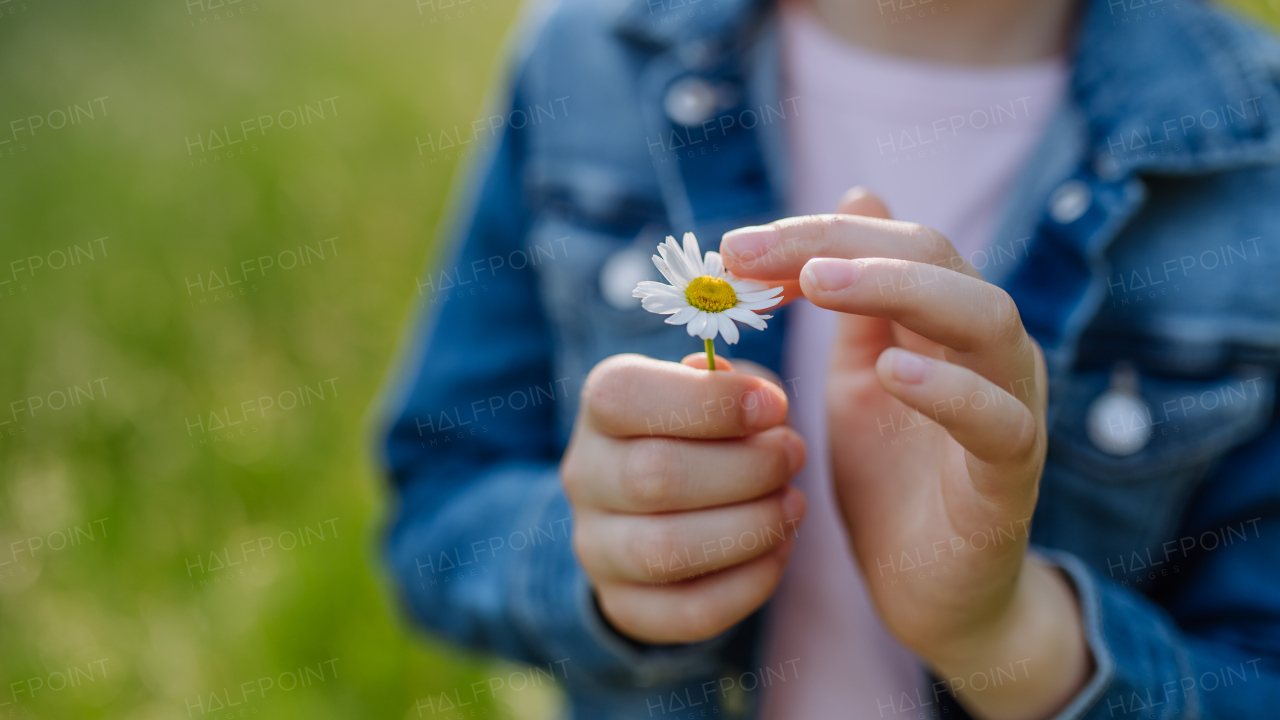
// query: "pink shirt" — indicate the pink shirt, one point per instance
point(941, 145)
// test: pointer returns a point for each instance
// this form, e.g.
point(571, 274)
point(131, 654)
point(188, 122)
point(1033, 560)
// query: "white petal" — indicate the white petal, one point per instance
point(697, 324)
point(647, 288)
point(672, 250)
point(679, 267)
point(693, 254)
point(683, 316)
point(663, 305)
point(761, 295)
point(759, 305)
point(713, 327)
point(741, 285)
point(666, 272)
point(713, 264)
point(746, 317)
point(727, 329)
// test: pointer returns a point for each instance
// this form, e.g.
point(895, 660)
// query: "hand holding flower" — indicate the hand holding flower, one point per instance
point(923, 341)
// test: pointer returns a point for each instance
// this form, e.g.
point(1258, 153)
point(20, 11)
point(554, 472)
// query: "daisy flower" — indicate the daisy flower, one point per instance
point(703, 296)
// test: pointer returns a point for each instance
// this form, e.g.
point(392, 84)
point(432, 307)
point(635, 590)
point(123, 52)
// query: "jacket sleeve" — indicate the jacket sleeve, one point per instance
point(480, 538)
point(1205, 646)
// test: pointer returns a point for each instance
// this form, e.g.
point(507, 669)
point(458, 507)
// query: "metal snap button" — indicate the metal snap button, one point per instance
point(1070, 201)
point(1119, 420)
point(1107, 167)
point(690, 101)
point(620, 275)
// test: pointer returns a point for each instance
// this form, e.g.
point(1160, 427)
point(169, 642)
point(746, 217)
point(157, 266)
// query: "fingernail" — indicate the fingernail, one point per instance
point(749, 243)
point(853, 193)
point(909, 367)
point(829, 274)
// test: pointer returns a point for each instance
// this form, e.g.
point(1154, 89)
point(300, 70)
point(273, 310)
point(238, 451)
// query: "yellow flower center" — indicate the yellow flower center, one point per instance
point(710, 294)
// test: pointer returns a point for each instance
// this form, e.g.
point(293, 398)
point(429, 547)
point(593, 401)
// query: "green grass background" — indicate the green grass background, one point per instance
point(170, 70)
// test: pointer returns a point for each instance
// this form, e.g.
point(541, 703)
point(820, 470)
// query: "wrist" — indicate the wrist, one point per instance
point(1028, 662)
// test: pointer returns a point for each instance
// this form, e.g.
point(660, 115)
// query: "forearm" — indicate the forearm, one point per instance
point(1144, 665)
point(1031, 663)
point(458, 553)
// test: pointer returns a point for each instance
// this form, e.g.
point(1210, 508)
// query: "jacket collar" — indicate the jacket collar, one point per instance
point(1172, 87)
point(1166, 87)
point(677, 22)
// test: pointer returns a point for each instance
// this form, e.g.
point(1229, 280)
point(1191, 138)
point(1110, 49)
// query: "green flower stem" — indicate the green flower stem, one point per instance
point(711, 356)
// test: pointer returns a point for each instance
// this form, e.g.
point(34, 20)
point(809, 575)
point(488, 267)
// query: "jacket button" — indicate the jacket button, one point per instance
point(1107, 167)
point(1119, 420)
point(690, 101)
point(1069, 201)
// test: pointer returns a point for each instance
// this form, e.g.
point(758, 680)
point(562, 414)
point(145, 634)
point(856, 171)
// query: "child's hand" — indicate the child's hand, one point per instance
point(678, 480)
point(936, 407)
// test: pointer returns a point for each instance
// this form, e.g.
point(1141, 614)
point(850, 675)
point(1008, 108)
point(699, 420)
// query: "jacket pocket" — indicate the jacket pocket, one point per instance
point(1101, 505)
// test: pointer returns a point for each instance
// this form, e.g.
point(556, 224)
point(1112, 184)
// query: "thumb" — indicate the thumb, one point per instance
point(698, 361)
point(858, 200)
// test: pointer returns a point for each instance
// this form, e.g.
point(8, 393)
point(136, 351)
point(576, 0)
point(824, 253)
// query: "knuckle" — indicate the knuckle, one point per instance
point(824, 227)
point(829, 230)
point(937, 243)
point(649, 547)
point(652, 469)
point(806, 230)
point(1024, 443)
point(1026, 439)
point(605, 391)
point(608, 391)
point(1006, 320)
point(916, 231)
point(570, 479)
point(936, 248)
point(573, 474)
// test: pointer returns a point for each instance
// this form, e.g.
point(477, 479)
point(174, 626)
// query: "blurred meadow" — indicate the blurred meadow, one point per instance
point(212, 217)
point(205, 203)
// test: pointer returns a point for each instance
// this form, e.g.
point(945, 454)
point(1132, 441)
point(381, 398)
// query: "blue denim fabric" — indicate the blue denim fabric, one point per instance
point(1169, 131)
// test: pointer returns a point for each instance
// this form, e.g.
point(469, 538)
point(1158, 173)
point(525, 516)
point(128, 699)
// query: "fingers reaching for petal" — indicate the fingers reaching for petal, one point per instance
point(977, 321)
point(779, 250)
point(856, 201)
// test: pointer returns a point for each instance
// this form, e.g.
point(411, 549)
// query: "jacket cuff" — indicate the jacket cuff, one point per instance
point(1136, 649)
point(1091, 611)
point(555, 606)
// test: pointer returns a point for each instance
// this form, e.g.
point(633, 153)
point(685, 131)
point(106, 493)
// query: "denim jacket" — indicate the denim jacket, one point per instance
point(1141, 244)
